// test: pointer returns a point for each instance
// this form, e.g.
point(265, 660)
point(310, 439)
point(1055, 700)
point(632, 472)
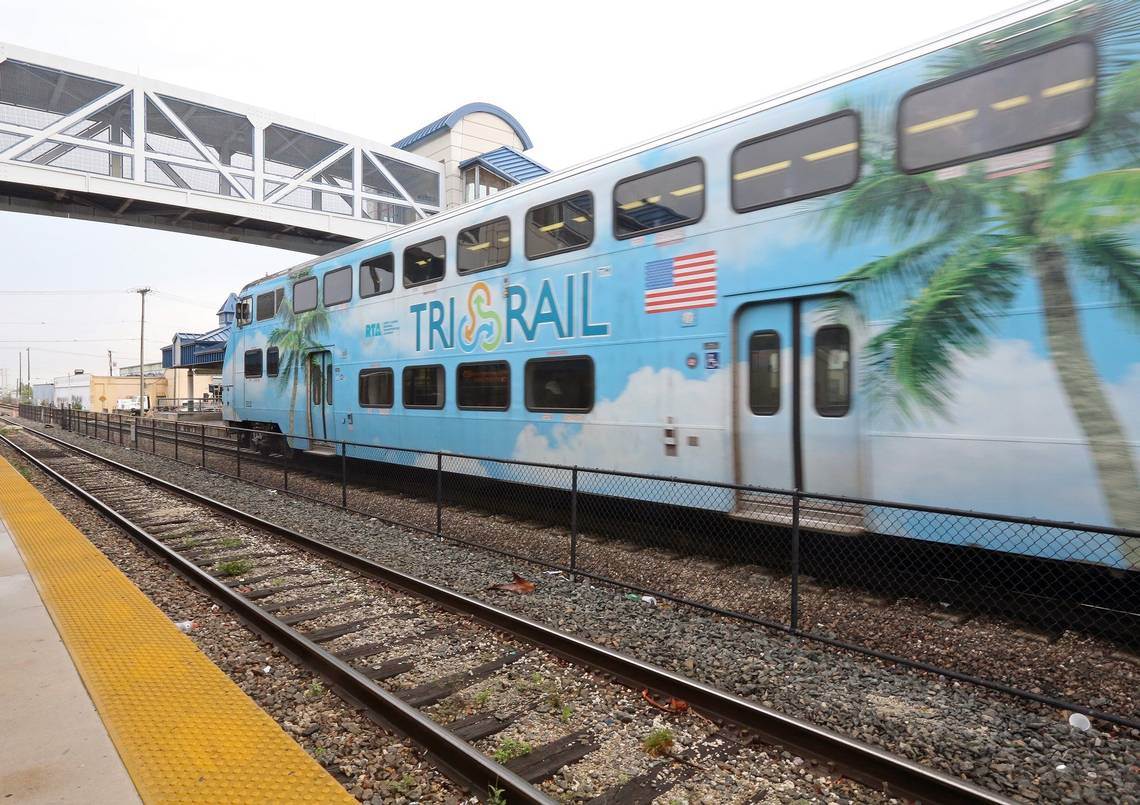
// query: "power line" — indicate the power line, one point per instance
point(66, 292)
point(75, 340)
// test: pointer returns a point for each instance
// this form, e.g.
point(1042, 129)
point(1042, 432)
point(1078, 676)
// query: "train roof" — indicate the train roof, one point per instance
point(964, 33)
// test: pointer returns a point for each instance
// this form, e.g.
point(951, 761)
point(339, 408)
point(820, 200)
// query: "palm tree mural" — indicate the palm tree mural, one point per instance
point(973, 241)
point(295, 338)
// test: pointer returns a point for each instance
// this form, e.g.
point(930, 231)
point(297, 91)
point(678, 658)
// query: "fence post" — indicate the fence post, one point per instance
point(344, 475)
point(795, 619)
point(573, 522)
point(439, 494)
point(285, 463)
point(153, 428)
point(237, 452)
point(202, 431)
point(175, 439)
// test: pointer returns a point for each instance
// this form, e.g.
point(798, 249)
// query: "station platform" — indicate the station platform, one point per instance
point(102, 699)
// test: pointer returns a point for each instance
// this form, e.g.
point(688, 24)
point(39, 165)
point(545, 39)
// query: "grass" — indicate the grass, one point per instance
point(511, 748)
point(234, 567)
point(316, 688)
point(231, 542)
point(496, 796)
point(191, 543)
point(565, 714)
point(403, 785)
point(482, 697)
point(658, 742)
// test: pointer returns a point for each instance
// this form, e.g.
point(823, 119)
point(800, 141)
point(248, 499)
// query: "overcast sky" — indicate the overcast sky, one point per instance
point(583, 78)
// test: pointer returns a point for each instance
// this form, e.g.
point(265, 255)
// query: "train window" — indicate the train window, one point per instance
point(423, 386)
point(1031, 99)
point(560, 226)
point(244, 312)
point(265, 305)
point(424, 263)
point(328, 384)
point(253, 363)
point(661, 199)
point(272, 361)
point(485, 386)
point(560, 384)
point(764, 373)
point(377, 275)
point(808, 160)
point(832, 370)
point(338, 286)
point(305, 295)
point(483, 246)
point(376, 388)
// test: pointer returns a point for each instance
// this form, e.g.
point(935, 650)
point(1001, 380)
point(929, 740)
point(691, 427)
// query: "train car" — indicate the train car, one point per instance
point(917, 281)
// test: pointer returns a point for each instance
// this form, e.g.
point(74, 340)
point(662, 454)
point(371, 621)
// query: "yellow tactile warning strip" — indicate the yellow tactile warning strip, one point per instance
point(185, 731)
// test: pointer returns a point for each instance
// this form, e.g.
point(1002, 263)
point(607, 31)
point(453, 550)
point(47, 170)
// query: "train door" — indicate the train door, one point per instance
point(321, 396)
point(795, 421)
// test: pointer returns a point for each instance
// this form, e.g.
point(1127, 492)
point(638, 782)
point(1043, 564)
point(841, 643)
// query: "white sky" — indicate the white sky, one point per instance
point(583, 78)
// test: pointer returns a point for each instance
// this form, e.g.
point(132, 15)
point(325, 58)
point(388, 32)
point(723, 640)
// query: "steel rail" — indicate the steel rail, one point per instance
point(460, 761)
point(875, 767)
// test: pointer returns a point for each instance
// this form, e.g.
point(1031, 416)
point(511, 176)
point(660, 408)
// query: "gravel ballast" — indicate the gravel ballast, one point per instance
point(1022, 750)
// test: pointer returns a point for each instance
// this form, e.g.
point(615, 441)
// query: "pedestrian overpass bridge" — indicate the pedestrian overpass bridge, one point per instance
point(85, 142)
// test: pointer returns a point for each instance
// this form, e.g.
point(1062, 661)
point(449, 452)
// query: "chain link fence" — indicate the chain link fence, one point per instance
point(826, 567)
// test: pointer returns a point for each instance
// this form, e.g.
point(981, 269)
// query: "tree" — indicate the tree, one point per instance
point(974, 240)
point(295, 338)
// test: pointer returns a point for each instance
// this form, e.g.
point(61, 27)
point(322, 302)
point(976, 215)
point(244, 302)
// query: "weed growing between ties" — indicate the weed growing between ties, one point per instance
point(231, 542)
point(496, 796)
point(316, 689)
point(511, 748)
point(658, 743)
point(234, 567)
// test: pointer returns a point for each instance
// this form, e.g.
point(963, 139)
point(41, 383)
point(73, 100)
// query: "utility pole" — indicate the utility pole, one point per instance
point(29, 349)
point(142, 329)
point(110, 371)
point(20, 377)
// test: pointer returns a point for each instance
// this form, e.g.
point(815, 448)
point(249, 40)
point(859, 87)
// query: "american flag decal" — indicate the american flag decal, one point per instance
point(680, 283)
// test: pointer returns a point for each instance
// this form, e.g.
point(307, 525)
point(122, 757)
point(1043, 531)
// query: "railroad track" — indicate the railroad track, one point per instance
point(408, 651)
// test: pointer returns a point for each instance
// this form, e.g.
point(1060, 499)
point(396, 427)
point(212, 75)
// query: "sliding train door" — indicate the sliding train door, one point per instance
point(321, 397)
point(796, 426)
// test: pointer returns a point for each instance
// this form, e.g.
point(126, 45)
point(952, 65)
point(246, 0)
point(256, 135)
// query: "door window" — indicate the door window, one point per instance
point(315, 376)
point(832, 371)
point(764, 373)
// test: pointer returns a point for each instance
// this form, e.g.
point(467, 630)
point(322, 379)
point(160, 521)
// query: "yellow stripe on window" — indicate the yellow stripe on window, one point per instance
point(846, 148)
point(421, 262)
point(631, 205)
point(505, 239)
point(762, 170)
point(684, 191)
point(1010, 103)
point(1068, 86)
point(580, 219)
point(552, 227)
point(653, 199)
point(478, 247)
point(937, 123)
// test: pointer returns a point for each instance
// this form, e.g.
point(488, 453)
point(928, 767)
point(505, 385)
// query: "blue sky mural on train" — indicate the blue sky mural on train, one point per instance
point(988, 299)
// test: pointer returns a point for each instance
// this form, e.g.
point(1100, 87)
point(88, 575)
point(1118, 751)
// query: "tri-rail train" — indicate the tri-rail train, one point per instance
point(916, 281)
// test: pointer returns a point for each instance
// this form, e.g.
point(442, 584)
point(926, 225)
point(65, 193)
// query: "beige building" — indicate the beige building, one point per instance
point(107, 391)
point(480, 146)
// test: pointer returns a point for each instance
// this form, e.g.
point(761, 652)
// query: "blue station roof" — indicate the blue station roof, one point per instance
point(449, 120)
point(508, 163)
